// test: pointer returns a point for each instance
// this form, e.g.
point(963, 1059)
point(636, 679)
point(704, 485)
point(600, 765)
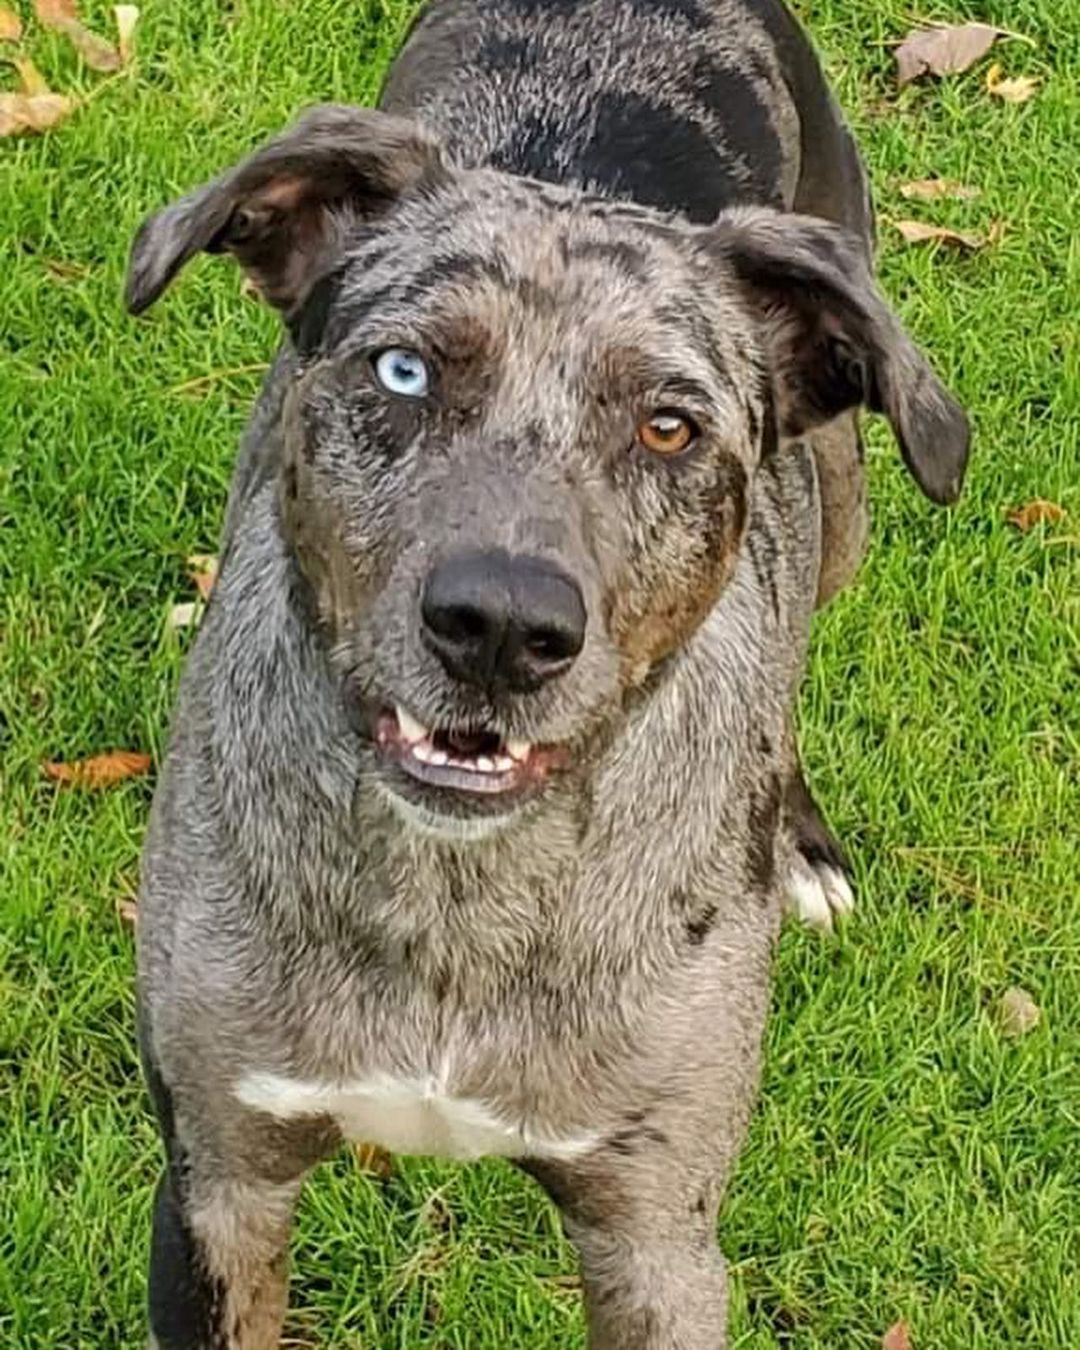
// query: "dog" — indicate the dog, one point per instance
point(482, 798)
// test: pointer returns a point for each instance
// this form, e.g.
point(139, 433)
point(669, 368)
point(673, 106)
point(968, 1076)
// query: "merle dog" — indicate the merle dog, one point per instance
point(482, 800)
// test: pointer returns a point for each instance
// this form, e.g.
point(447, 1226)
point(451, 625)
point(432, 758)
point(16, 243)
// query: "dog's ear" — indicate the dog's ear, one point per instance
point(279, 212)
point(834, 343)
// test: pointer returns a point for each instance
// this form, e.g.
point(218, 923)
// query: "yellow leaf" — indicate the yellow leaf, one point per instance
point(1018, 1013)
point(374, 1159)
point(126, 16)
point(100, 770)
point(26, 114)
point(202, 569)
point(31, 81)
point(933, 189)
point(10, 25)
point(1017, 90)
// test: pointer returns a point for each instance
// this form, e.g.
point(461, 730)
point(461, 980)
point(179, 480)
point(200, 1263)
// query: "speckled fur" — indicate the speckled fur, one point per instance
point(597, 965)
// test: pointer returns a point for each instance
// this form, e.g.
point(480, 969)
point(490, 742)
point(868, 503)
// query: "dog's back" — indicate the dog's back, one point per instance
point(687, 105)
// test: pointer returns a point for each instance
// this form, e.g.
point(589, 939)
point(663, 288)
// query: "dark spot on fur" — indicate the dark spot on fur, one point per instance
point(762, 819)
point(764, 559)
point(698, 1207)
point(764, 744)
point(622, 256)
point(628, 1141)
point(746, 128)
point(698, 927)
point(532, 148)
point(500, 52)
point(308, 325)
point(656, 157)
point(689, 10)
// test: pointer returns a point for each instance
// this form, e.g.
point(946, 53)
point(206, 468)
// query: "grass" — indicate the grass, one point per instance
point(907, 1160)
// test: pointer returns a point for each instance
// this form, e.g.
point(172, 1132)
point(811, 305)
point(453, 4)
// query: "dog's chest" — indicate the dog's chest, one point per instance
point(406, 1115)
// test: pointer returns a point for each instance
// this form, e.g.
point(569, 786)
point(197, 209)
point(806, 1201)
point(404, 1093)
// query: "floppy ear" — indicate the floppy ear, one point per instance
point(834, 343)
point(279, 212)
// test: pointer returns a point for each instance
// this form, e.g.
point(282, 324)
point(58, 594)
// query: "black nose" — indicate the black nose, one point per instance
point(494, 619)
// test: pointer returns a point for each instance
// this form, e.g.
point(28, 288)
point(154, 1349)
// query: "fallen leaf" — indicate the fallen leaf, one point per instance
point(375, 1160)
point(918, 232)
point(61, 270)
point(31, 80)
point(933, 189)
point(185, 615)
point(1017, 90)
point(898, 1337)
point(128, 909)
point(99, 771)
point(126, 16)
point(944, 50)
point(1018, 1012)
point(202, 569)
point(31, 113)
point(10, 25)
point(1037, 512)
point(63, 16)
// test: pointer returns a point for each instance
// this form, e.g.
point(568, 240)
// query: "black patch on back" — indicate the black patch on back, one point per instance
point(532, 149)
point(656, 157)
point(689, 10)
point(744, 119)
point(499, 52)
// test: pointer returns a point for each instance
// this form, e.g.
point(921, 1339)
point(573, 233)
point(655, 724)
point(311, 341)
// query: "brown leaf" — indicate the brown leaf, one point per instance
point(918, 232)
point(933, 189)
point(185, 615)
point(126, 16)
point(128, 909)
point(898, 1337)
point(100, 771)
point(945, 50)
point(63, 16)
point(1017, 90)
point(30, 113)
point(1037, 512)
point(1018, 1012)
point(62, 270)
point(10, 25)
point(375, 1160)
point(202, 569)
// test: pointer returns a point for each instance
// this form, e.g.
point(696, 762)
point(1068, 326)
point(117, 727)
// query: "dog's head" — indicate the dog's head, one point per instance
point(523, 426)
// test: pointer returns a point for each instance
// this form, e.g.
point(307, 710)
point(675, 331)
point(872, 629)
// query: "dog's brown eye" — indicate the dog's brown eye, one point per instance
point(666, 433)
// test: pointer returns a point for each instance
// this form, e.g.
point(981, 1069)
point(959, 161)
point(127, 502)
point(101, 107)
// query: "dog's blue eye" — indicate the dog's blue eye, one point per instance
point(402, 372)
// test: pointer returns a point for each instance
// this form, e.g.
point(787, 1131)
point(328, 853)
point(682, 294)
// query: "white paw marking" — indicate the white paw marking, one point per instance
point(818, 893)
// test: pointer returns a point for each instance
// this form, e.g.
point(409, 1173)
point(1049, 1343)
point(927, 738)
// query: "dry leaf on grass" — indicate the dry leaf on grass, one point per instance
point(918, 232)
point(184, 615)
point(62, 270)
point(202, 569)
point(99, 771)
point(934, 189)
point(128, 909)
point(126, 16)
point(26, 114)
point(1018, 1013)
point(374, 1160)
point(1017, 90)
point(898, 1337)
point(63, 16)
point(10, 25)
point(1038, 512)
point(944, 50)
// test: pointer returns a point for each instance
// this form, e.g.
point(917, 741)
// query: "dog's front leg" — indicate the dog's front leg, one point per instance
point(653, 1275)
point(218, 1261)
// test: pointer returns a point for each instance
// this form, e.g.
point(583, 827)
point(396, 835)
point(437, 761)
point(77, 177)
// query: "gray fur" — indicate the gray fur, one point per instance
point(593, 966)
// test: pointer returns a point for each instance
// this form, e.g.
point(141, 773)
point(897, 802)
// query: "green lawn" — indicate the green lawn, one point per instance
point(907, 1160)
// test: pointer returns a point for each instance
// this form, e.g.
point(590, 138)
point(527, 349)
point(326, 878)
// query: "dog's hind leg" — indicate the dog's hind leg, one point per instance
point(845, 511)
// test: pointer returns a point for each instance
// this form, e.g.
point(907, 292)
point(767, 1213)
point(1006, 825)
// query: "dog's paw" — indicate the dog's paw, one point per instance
point(818, 892)
point(818, 887)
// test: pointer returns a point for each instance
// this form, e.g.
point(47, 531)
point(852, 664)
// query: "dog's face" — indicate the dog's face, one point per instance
point(523, 427)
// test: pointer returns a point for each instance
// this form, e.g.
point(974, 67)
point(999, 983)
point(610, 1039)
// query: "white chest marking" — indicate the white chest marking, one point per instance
point(406, 1115)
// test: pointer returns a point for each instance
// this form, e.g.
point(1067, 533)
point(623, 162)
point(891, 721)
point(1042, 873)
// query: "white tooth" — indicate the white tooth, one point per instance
point(438, 758)
point(504, 763)
point(422, 750)
point(485, 765)
point(519, 749)
point(411, 729)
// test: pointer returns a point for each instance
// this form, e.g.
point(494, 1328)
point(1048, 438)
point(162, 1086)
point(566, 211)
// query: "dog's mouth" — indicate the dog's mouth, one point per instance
point(467, 763)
